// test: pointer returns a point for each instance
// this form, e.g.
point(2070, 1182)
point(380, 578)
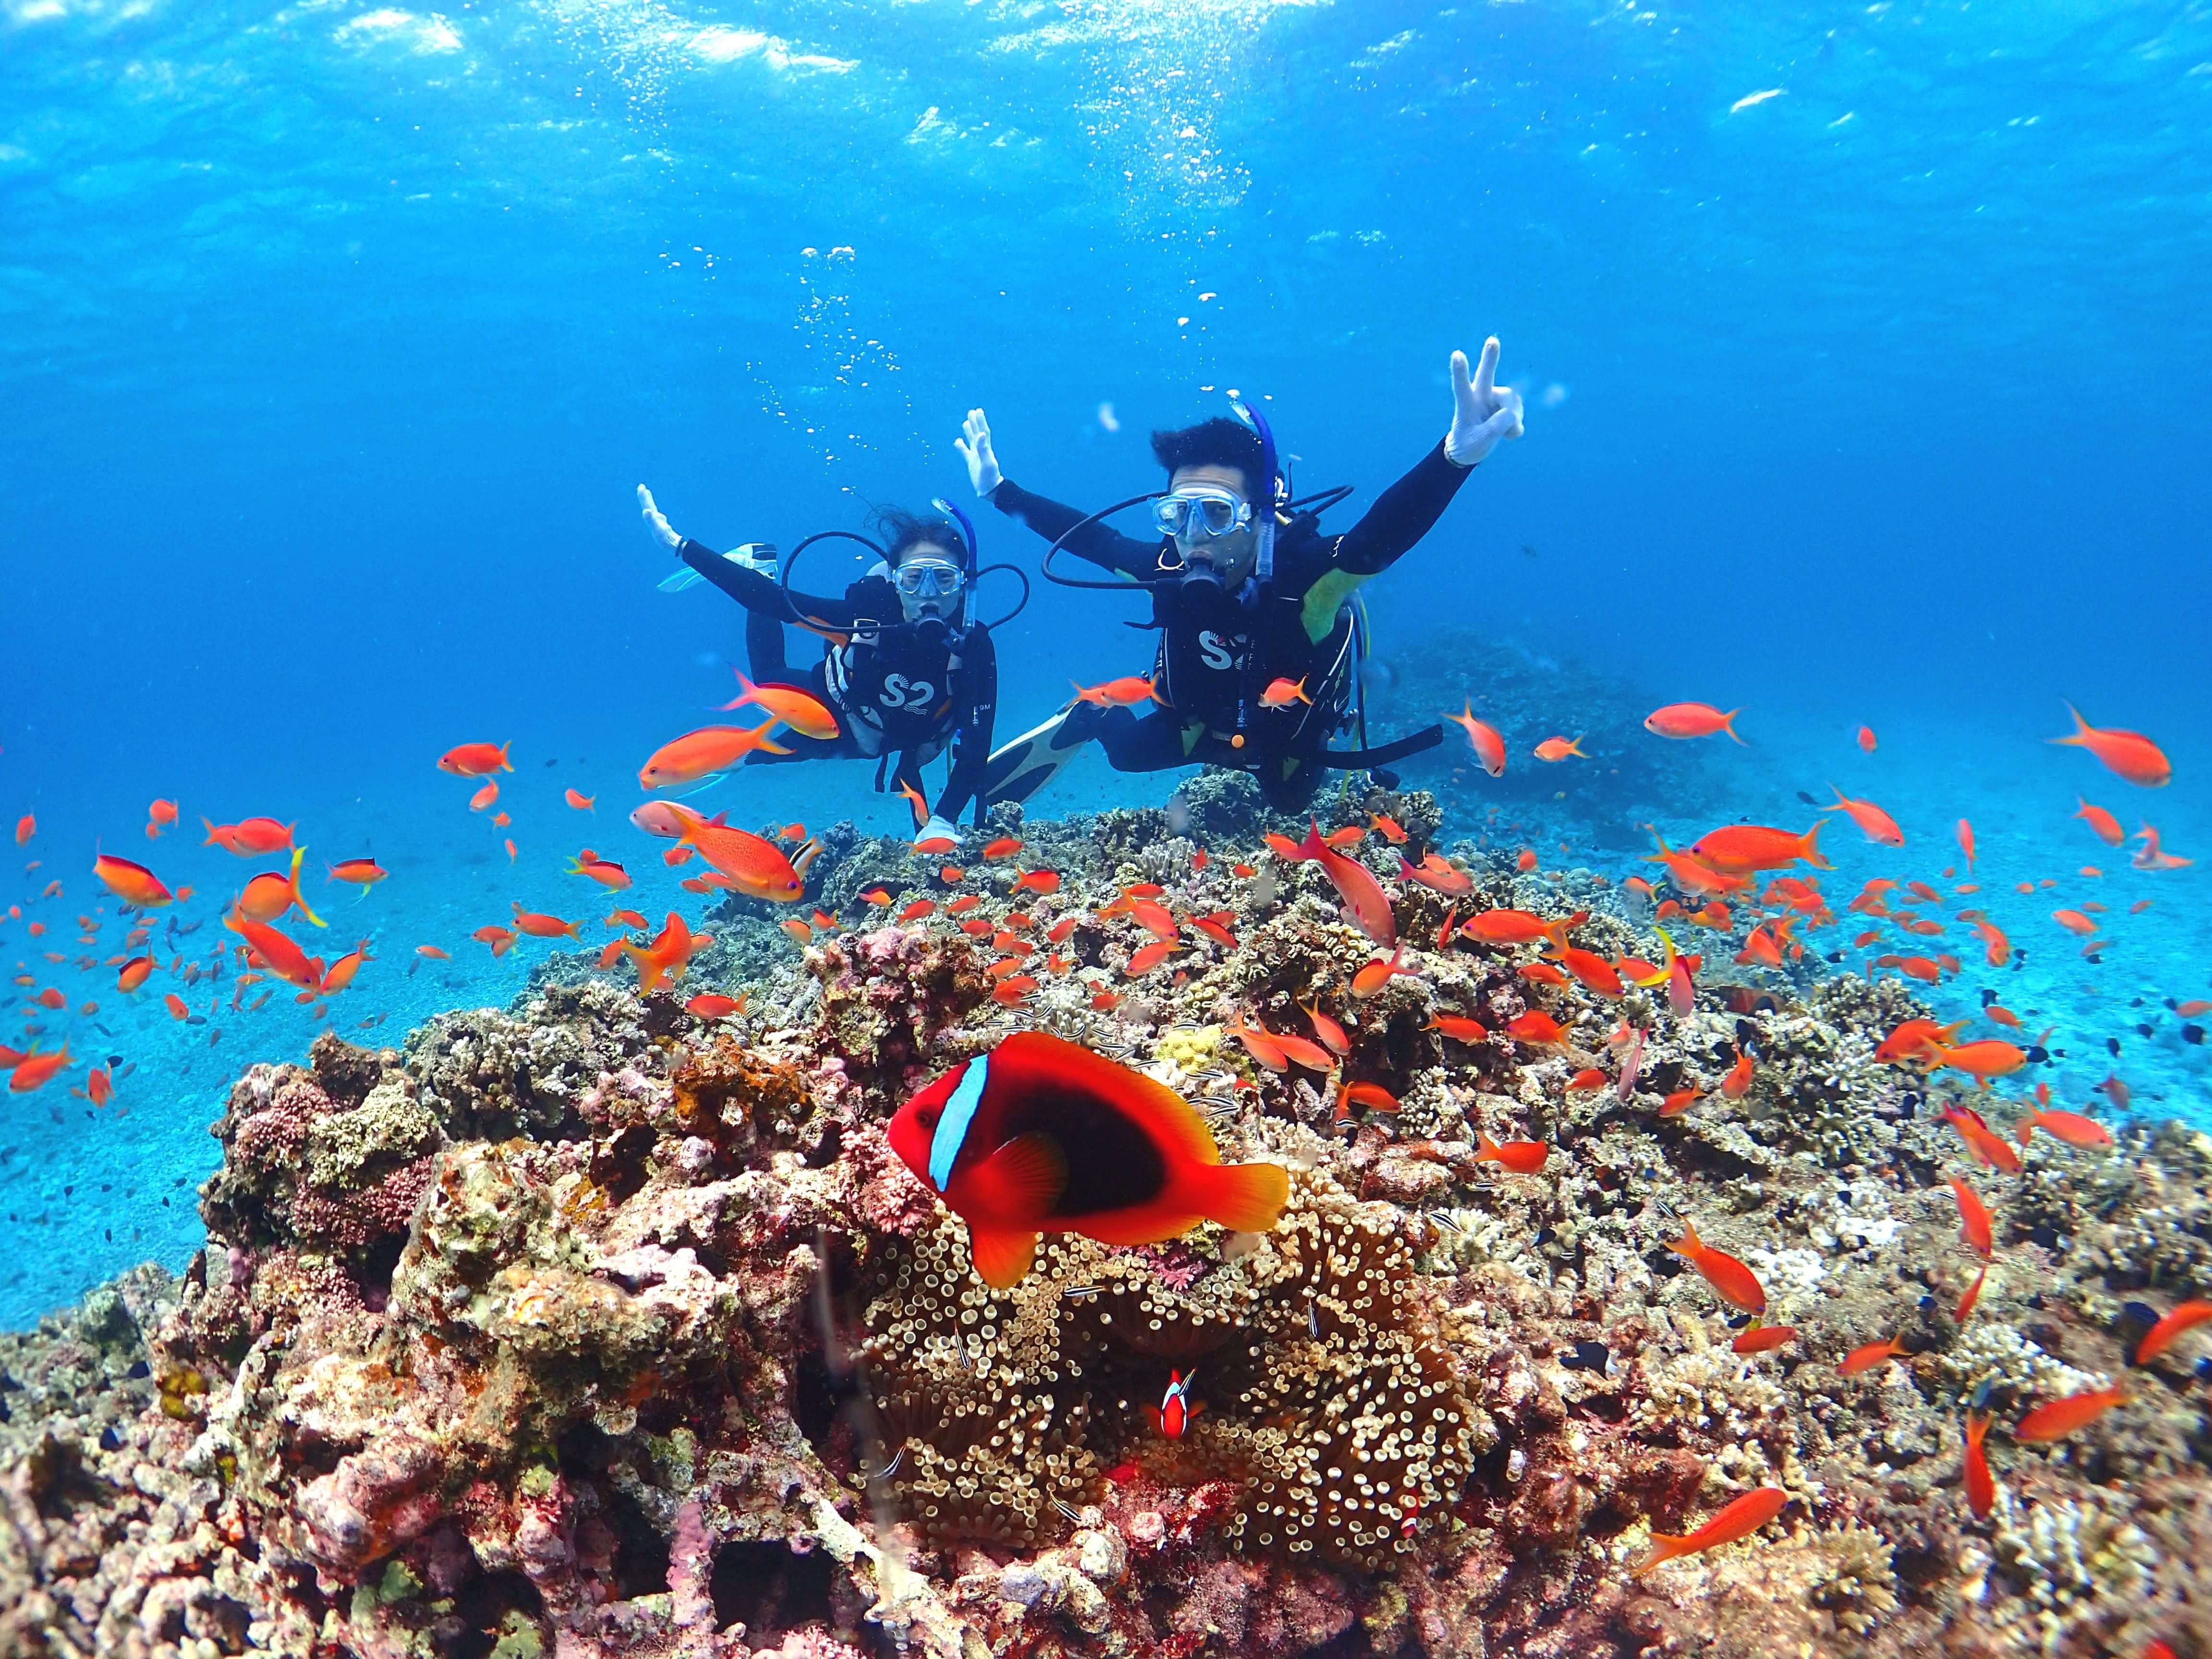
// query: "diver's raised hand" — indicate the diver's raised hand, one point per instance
point(656, 522)
point(1482, 410)
point(974, 444)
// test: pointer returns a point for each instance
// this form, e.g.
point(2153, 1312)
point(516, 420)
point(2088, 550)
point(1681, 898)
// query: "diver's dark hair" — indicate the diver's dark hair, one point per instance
point(1220, 442)
point(901, 530)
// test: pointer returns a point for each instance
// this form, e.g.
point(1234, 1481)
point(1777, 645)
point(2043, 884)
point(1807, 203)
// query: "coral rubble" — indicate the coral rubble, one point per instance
point(591, 1327)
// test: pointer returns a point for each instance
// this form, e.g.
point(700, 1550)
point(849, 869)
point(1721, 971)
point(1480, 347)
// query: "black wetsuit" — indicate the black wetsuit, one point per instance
point(1207, 670)
point(895, 690)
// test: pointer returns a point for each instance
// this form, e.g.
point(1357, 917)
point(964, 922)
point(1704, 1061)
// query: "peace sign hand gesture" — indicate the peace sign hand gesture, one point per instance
point(1482, 410)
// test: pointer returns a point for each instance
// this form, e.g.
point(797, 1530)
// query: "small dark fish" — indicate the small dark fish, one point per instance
point(2039, 1055)
point(1527, 551)
point(2192, 1034)
point(1806, 798)
point(2132, 1324)
point(114, 1061)
point(215, 1036)
point(1589, 1357)
point(196, 1019)
point(1988, 996)
point(554, 761)
point(2113, 1047)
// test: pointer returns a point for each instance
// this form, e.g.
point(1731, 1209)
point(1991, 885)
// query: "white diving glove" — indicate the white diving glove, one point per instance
point(936, 826)
point(1482, 410)
point(656, 521)
point(975, 446)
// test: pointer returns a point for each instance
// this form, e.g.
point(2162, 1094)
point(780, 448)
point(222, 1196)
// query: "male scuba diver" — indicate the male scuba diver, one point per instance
point(1256, 667)
point(906, 669)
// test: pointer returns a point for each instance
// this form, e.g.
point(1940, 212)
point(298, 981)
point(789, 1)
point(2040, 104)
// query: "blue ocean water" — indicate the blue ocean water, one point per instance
point(1863, 346)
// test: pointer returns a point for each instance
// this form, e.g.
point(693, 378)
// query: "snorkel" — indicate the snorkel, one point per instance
point(1273, 485)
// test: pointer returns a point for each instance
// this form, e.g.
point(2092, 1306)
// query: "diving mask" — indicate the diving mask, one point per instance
point(928, 578)
point(1201, 515)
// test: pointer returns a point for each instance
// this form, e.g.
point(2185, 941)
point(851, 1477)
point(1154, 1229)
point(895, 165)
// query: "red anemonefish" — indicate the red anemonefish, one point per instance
point(1175, 1407)
point(1042, 1135)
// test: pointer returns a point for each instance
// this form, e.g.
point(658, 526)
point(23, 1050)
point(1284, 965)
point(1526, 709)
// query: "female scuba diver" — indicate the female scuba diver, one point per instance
point(907, 669)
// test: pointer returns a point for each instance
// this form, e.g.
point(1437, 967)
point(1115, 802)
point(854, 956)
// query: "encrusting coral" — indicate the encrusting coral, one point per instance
point(596, 1328)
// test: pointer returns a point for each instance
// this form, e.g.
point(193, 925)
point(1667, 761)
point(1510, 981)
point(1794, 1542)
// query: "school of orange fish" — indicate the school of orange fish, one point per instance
point(1716, 885)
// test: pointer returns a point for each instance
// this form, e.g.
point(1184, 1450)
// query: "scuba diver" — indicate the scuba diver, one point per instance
point(906, 670)
point(1259, 633)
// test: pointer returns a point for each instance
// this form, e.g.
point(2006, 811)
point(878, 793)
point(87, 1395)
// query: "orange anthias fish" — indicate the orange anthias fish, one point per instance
point(35, 1070)
point(1973, 1218)
point(1515, 928)
point(476, 760)
point(1763, 1339)
point(605, 871)
point(581, 802)
point(247, 836)
point(1041, 1136)
point(26, 827)
point(1866, 739)
point(1746, 1515)
point(1986, 1145)
point(2072, 1127)
point(2129, 755)
point(537, 925)
point(1004, 848)
point(485, 796)
point(134, 973)
point(1691, 719)
point(1744, 848)
point(754, 866)
point(1130, 688)
point(282, 955)
point(1281, 693)
point(1916, 1040)
point(712, 1005)
point(1986, 1059)
point(1438, 874)
point(2185, 1316)
point(1365, 905)
point(1489, 748)
point(704, 753)
point(1981, 1486)
point(270, 895)
point(670, 951)
point(502, 940)
point(363, 873)
point(1460, 1028)
point(1693, 875)
point(341, 972)
point(2107, 827)
point(1535, 1026)
point(1521, 1157)
point(2061, 1417)
point(801, 711)
point(1867, 1357)
point(160, 814)
point(1558, 749)
point(1874, 823)
point(1732, 1281)
point(1371, 978)
point(134, 883)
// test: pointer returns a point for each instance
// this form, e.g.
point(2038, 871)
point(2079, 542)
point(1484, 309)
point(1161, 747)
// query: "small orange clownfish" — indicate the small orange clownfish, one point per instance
point(1042, 1135)
point(1173, 1414)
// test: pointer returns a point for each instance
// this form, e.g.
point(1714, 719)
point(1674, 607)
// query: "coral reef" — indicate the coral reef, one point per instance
point(591, 1327)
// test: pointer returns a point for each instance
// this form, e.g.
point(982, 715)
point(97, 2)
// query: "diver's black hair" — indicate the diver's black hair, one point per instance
point(901, 530)
point(1220, 442)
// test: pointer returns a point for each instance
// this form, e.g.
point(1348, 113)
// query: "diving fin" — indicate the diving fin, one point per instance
point(1023, 765)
